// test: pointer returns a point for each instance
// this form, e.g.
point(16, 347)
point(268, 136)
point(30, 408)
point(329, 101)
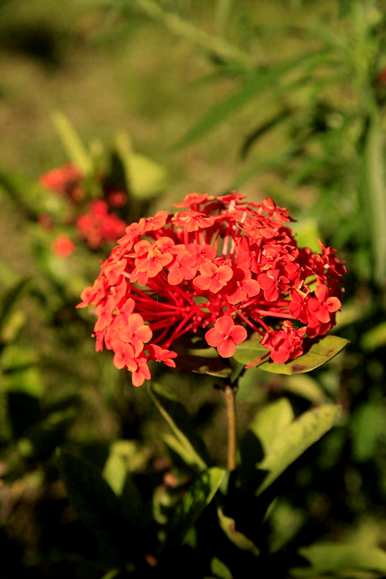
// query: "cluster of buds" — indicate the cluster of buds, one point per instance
point(97, 222)
point(219, 270)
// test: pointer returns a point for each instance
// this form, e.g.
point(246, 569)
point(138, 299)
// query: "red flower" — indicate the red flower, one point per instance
point(117, 198)
point(284, 344)
point(65, 180)
point(63, 246)
point(98, 226)
point(269, 283)
point(225, 336)
point(151, 258)
point(220, 269)
point(213, 278)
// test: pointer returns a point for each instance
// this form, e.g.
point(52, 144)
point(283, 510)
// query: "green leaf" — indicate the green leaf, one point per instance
point(374, 338)
point(271, 421)
point(330, 558)
point(307, 233)
point(318, 355)
point(72, 143)
point(8, 302)
point(262, 129)
point(219, 570)
point(295, 438)
point(368, 426)
point(228, 525)
point(145, 178)
point(188, 446)
point(20, 371)
point(306, 387)
point(125, 456)
point(218, 46)
point(255, 84)
point(375, 193)
point(204, 361)
point(197, 497)
point(97, 505)
point(249, 351)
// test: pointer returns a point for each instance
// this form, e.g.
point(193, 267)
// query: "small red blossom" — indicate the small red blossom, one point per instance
point(97, 222)
point(151, 258)
point(220, 269)
point(65, 180)
point(98, 226)
point(213, 278)
point(63, 246)
point(162, 355)
point(284, 344)
point(117, 198)
point(225, 336)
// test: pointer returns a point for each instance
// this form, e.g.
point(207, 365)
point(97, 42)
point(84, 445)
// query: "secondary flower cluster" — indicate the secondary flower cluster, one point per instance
point(96, 221)
point(219, 269)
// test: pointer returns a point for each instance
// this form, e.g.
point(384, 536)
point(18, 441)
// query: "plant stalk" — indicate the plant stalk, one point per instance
point(230, 403)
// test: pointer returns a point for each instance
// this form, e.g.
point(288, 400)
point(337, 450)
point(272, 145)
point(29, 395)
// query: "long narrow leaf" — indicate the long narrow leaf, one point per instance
point(376, 190)
point(187, 444)
point(72, 143)
point(256, 83)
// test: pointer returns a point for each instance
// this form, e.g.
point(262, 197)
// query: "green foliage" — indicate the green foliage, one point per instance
point(252, 352)
point(284, 439)
point(341, 560)
point(189, 447)
point(290, 102)
point(198, 496)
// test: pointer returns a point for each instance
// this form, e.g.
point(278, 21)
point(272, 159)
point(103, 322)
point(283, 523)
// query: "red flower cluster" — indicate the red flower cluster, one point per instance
point(65, 180)
point(220, 268)
point(98, 226)
point(95, 222)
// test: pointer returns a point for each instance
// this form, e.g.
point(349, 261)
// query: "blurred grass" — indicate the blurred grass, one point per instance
point(107, 72)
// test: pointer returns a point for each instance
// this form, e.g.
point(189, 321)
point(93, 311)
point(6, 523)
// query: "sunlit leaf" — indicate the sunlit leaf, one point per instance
point(271, 421)
point(250, 350)
point(295, 438)
point(145, 178)
point(125, 456)
point(7, 304)
point(219, 570)
point(72, 143)
point(228, 525)
point(329, 558)
point(318, 355)
point(307, 233)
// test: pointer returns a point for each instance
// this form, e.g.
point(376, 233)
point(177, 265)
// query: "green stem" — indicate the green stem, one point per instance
point(230, 403)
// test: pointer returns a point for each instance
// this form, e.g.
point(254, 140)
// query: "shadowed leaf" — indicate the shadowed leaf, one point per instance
point(198, 496)
point(184, 440)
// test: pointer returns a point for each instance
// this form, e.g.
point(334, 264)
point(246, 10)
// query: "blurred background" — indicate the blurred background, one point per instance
point(112, 109)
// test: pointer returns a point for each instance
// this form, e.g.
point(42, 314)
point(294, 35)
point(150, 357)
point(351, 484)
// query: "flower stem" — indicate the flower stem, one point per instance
point(230, 403)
